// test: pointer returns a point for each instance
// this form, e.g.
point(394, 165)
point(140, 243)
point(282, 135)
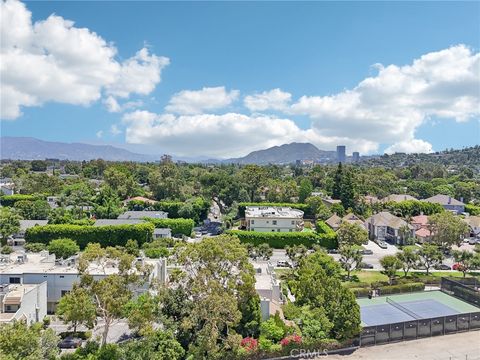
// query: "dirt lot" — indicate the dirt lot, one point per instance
point(463, 346)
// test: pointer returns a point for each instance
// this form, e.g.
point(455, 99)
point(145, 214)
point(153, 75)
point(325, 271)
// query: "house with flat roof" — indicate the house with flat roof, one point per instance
point(21, 268)
point(447, 202)
point(268, 289)
point(387, 227)
point(273, 219)
point(143, 214)
point(23, 302)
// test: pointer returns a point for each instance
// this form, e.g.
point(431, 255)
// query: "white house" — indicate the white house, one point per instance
point(60, 275)
point(270, 218)
point(25, 302)
point(268, 289)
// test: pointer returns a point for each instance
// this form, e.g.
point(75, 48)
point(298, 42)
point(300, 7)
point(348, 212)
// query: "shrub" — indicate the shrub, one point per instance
point(35, 247)
point(306, 208)
point(10, 200)
point(111, 235)
point(63, 248)
point(413, 208)
point(291, 339)
point(402, 288)
point(6, 250)
point(279, 240)
point(249, 344)
point(472, 209)
point(156, 253)
point(360, 292)
point(178, 226)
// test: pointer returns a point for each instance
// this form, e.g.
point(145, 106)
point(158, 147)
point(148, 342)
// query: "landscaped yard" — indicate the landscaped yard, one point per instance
point(376, 276)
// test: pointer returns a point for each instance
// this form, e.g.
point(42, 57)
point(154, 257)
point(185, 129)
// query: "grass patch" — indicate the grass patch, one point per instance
point(367, 276)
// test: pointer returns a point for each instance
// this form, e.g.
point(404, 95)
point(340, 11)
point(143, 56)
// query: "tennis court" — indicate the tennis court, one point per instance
point(415, 315)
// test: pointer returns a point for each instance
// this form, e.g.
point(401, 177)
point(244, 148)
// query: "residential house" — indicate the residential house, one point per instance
point(23, 302)
point(142, 199)
point(397, 198)
point(335, 221)
point(107, 222)
point(162, 233)
point(53, 201)
point(60, 275)
point(329, 202)
point(387, 227)
point(271, 218)
point(422, 231)
point(448, 203)
point(6, 190)
point(474, 225)
point(268, 288)
point(143, 214)
point(19, 237)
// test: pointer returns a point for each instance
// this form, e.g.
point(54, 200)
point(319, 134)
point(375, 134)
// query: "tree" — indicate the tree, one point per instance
point(467, 260)
point(21, 342)
point(390, 265)
point(107, 204)
point(408, 257)
point(351, 234)
point(305, 191)
point(77, 308)
point(9, 223)
point(350, 258)
point(140, 313)
point(32, 210)
point(337, 182)
point(63, 248)
point(347, 193)
point(430, 255)
point(447, 229)
point(160, 345)
point(405, 234)
point(295, 253)
point(253, 176)
point(264, 251)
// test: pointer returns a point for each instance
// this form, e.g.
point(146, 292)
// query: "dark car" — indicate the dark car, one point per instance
point(333, 251)
point(442, 267)
point(70, 343)
point(366, 252)
point(365, 266)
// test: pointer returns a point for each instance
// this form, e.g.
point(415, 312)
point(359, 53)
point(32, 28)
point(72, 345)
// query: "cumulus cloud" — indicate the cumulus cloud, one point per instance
point(410, 146)
point(275, 99)
point(390, 106)
point(52, 60)
point(224, 135)
point(114, 130)
point(199, 101)
point(114, 106)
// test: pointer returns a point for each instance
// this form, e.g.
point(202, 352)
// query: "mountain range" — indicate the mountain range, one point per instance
point(28, 148)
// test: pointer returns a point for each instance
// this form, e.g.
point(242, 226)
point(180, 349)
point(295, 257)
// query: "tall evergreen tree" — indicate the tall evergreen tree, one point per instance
point(337, 182)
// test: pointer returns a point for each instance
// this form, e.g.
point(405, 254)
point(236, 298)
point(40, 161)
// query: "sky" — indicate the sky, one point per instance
point(221, 79)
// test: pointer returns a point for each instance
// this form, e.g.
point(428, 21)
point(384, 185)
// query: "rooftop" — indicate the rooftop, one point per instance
point(398, 198)
point(143, 214)
point(273, 212)
point(384, 218)
point(105, 222)
point(26, 224)
point(444, 200)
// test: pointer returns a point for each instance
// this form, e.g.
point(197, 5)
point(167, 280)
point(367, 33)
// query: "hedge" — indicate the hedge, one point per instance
point(413, 208)
point(200, 208)
point(279, 240)
point(360, 292)
point(472, 209)
point(304, 207)
point(178, 226)
point(402, 288)
point(111, 235)
point(323, 228)
point(10, 200)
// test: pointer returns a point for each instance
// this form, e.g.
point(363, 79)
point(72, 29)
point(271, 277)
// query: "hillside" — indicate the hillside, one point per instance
point(286, 154)
point(27, 148)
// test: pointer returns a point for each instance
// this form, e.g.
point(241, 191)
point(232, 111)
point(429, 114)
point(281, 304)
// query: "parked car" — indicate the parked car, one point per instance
point(365, 266)
point(333, 251)
point(283, 263)
point(473, 241)
point(70, 343)
point(442, 267)
point(382, 244)
point(366, 252)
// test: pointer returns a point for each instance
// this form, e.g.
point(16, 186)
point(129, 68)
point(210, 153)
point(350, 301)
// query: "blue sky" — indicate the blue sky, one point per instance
point(310, 49)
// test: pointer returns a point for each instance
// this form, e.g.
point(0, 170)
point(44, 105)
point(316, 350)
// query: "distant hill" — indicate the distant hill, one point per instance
point(469, 157)
point(286, 154)
point(27, 148)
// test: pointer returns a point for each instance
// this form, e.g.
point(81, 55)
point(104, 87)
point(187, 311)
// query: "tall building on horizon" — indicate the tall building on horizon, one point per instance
point(341, 157)
point(356, 156)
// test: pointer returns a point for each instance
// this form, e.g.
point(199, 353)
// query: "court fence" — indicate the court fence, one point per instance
point(417, 329)
point(466, 289)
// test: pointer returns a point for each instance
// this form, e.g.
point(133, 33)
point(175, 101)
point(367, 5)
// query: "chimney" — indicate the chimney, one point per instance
point(449, 200)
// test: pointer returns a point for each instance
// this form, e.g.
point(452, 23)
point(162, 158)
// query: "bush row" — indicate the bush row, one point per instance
point(323, 228)
point(304, 207)
point(111, 235)
point(413, 208)
point(196, 209)
point(178, 226)
point(279, 240)
point(10, 200)
point(363, 291)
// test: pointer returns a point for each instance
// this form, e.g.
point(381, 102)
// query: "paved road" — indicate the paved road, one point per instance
point(462, 346)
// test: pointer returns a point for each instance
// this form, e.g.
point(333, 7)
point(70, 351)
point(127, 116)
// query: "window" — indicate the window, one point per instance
point(252, 222)
point(290, 230)
point(278, 230)
point(62, 277)
point(64, 292)
point(14, 280)
point(274, 222)
point(273, 229)
point(293, 222)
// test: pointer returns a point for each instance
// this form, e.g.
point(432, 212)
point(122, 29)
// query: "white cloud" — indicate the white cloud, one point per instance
point(114, 106)
point(199, 101)
point(114, 130)
point(275, 99)
point(410, 146)
point(99, 134)
point(52, 60)
point(389, 107)
point(225, 135)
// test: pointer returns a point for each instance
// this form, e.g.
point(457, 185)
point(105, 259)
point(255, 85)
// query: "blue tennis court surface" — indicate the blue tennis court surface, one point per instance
point(400, 311)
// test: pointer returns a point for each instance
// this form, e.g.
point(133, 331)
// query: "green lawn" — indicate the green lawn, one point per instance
point(375, 276)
